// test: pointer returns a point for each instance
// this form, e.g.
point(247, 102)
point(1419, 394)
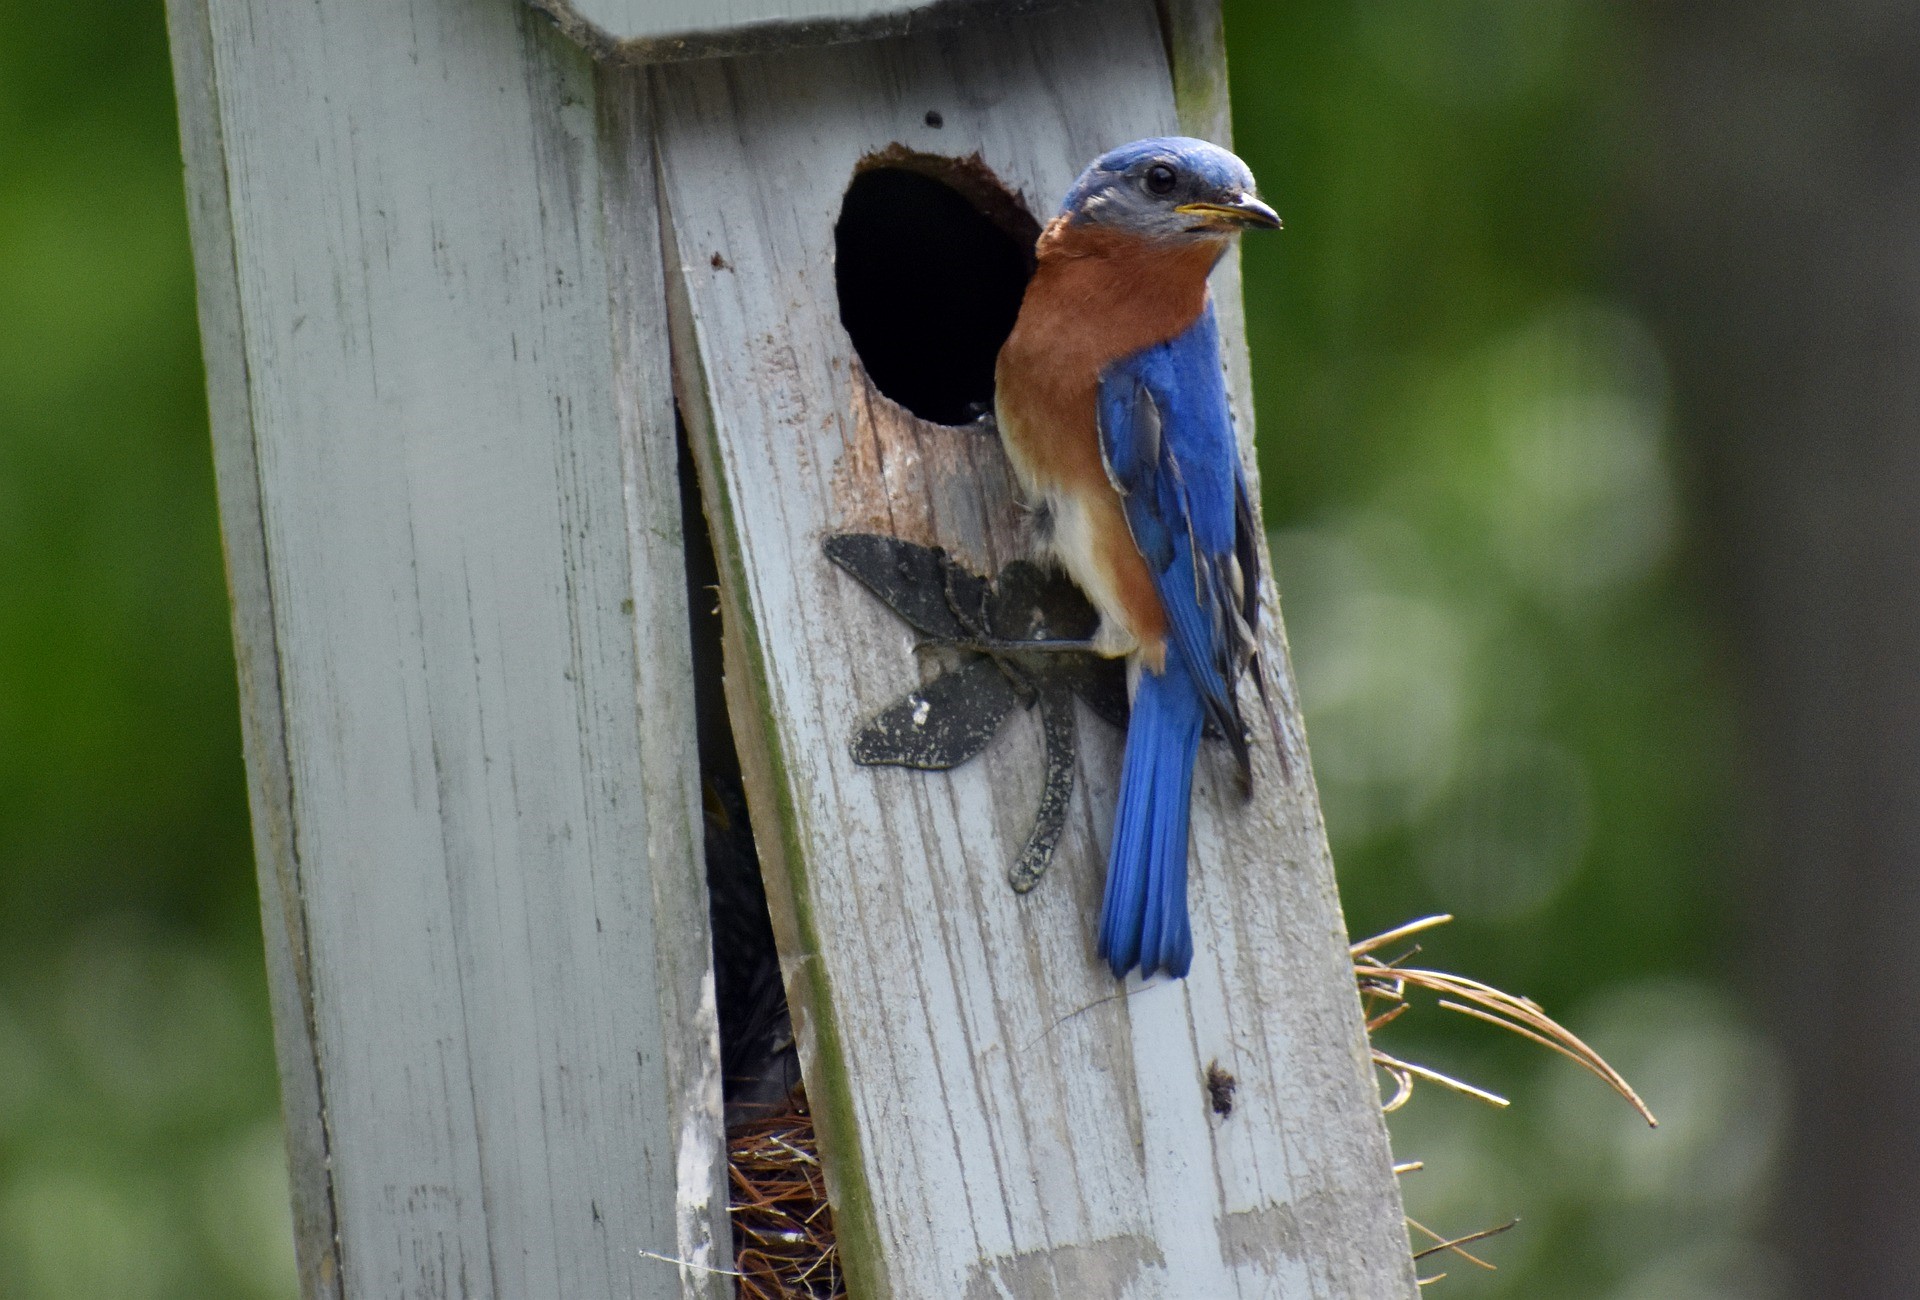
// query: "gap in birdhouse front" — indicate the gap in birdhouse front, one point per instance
point(931, 257)
point(759, 1068)
point(783, 1235)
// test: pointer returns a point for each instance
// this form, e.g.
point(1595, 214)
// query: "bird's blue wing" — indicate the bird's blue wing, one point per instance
point(1166, 433)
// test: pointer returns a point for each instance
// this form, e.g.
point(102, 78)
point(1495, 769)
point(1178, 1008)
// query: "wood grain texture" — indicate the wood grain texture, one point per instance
point(256, 654)
point(1000, 1118)
point(447, 479)
point(650, 31)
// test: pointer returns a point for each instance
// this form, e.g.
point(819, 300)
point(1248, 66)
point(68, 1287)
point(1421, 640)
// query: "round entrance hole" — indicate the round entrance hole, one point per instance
point(931, 256)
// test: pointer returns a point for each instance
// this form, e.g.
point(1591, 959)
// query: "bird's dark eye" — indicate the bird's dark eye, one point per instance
point(1161, 179)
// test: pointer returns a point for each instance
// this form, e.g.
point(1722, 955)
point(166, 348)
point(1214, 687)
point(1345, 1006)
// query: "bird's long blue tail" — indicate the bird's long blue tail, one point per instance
point(1143, 921)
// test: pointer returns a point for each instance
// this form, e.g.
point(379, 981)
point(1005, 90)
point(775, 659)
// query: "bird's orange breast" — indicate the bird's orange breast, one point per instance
point(1096, 296)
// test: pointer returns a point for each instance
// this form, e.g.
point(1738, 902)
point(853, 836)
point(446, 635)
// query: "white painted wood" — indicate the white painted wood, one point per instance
point(256, 656)
point(446, 469)
point(644, 31)
point(998, 1120)
point(626, 19)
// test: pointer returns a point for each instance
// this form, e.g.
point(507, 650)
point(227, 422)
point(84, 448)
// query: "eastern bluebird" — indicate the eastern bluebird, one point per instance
point(1112, 405)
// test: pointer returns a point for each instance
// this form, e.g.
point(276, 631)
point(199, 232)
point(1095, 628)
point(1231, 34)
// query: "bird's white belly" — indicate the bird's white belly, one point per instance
point(1069, 540)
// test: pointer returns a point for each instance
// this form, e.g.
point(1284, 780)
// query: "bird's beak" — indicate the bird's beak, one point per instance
point(1240, 212)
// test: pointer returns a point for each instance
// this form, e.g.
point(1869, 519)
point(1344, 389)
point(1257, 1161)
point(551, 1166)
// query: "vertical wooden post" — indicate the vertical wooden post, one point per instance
point(1785, 289)
point(431, 303)
point(999, 1118)
point(440, 292)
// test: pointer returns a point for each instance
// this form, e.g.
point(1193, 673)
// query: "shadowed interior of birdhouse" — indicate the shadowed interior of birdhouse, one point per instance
point(783, 1231)
point(931, 256)
point(758, 1064)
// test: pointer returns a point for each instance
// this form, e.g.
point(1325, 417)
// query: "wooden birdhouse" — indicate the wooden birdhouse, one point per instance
point(507, 307)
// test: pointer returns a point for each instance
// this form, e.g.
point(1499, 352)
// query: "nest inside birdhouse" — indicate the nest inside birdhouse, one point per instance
point(783, 1243)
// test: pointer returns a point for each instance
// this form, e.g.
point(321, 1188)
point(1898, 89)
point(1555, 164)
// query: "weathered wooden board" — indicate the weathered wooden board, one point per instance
point(447, 480)
point(1000, 1118)
point(645, 31)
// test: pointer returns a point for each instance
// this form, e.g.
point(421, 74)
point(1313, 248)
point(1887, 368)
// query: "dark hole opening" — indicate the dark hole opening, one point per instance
point(931, 258)
point(758, 1066)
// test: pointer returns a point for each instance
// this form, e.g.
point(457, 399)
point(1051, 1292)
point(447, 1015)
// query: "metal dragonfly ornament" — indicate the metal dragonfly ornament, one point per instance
point(1016, 640)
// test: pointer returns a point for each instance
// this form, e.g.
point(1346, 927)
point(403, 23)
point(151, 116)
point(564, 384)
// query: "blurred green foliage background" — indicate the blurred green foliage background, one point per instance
point(139, 1138)
point(1513, 695)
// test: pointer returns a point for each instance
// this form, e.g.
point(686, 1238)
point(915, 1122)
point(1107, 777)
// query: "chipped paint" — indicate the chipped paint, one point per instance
point(696, 1169)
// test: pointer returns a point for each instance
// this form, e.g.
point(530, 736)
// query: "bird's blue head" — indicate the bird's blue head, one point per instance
point(1170, 187)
